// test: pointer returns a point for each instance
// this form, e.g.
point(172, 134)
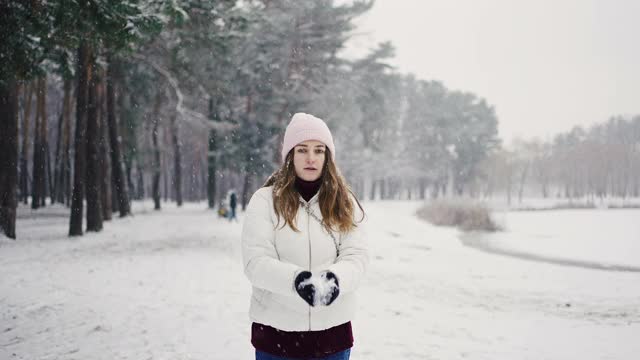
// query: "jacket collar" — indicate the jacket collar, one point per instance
point(311, 201)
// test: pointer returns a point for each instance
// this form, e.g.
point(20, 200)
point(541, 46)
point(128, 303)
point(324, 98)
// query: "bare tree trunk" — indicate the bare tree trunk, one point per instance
point(203, 178)
point(8, 156)
point(55, 190)
point(105, 179)
point(545, 189)
point(140, 179)
point(79, 175)
point(94, 205)
point(372, 193)
point(128, 168)
point(422, 183)
point(117, 172)
point(445, 186)
point(361, 194)
point(66, 159)
point(523, 180)
point(394, 189)
point(24, 172)
point(62, 147)
point(212, 156)
point(39, 148)
point(192, 183)
point(114, 196)
point(165, 166)
point(156, 167)
point(211, 169)
point(36, 162)
point(509, 186)
point(245, 190)
point(165, 181)
point(435, 190)
point(93, 188)
point(103, 150)
point(177, 160)
point(49, 182)
point(46, 169)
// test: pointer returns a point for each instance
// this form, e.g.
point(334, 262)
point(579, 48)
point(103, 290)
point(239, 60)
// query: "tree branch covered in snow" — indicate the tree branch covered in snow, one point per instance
point(191, 116)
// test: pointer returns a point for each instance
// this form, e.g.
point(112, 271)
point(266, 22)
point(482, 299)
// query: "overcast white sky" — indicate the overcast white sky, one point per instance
point(545, 65)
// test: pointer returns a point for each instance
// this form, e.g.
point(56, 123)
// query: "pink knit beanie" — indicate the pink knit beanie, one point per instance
point(305, 127)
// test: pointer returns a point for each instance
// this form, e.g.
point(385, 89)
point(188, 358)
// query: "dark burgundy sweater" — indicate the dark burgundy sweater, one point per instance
point(302, 344)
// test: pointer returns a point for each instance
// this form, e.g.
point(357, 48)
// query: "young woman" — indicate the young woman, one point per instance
point(303, 251)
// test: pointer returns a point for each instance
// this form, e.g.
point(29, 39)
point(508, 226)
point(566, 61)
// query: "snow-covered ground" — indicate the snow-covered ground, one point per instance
point(169, 285)
point(597, 238)
point(499, 202)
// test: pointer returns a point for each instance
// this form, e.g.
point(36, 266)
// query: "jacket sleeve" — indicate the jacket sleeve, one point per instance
point(351, 264)
point(261, 263)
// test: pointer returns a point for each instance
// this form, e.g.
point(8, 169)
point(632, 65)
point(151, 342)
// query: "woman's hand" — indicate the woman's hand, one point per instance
point(322, 289)
point(304, 287)
point(331, 288)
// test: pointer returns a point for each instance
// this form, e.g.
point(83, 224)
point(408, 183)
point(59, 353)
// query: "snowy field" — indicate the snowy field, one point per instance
point(169, 285)
point(598, 238)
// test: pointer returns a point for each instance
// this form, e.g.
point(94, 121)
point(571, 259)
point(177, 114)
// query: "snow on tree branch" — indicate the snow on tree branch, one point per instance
point(190, 116)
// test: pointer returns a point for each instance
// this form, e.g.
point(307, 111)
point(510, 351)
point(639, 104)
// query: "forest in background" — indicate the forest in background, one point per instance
point(102, 102)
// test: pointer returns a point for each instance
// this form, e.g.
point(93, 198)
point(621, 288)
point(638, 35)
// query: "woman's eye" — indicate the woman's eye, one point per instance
point(319, 151)
point(301, 150)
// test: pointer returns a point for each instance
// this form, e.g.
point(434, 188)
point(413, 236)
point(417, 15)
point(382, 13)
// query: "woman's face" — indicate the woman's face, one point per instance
point(308, 159)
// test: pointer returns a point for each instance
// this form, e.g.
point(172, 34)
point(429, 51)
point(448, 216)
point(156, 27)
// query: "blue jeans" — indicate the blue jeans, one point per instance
point(342, 355)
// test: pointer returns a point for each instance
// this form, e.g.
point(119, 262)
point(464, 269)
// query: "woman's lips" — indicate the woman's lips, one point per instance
point(311, 169)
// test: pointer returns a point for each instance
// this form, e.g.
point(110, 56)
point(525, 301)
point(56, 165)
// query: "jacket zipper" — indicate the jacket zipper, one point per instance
point(309, 238)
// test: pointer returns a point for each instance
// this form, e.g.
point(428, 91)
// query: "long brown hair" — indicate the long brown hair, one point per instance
point(334, 196)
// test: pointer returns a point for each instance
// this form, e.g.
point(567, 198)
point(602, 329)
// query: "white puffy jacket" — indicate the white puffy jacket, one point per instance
point(274, 255)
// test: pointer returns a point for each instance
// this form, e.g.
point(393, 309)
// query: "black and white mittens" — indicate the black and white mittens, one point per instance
point(304, 287)
point(321, 289)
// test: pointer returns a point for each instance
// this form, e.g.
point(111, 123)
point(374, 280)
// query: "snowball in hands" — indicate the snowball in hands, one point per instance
point(320, 289)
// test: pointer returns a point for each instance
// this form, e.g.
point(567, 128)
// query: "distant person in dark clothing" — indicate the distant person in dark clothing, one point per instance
point(233, 202)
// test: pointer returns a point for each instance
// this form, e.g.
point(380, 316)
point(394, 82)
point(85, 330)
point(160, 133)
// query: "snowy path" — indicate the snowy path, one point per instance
point(169, 285)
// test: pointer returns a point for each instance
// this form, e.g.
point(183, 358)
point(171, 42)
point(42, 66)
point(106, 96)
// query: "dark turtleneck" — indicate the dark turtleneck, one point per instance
point(307, 189)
